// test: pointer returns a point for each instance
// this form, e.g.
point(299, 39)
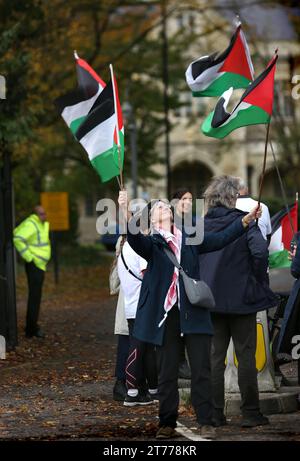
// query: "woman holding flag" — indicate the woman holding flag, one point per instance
point(165, 314)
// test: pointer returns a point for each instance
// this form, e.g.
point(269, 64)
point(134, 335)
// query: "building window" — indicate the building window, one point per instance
point(191, 21)
point(283, 101)
point(201, 107)
point(179, 20)
point(185, 109)
point(250, 171)
point(89, 206)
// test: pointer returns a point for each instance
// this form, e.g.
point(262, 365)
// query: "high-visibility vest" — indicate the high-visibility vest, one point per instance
point(31, 239)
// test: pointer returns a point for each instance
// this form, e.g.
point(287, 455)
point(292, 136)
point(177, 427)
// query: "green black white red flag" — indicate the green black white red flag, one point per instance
point(212, 75)
point(254, 108)
point(93, 114)
point(282, 235)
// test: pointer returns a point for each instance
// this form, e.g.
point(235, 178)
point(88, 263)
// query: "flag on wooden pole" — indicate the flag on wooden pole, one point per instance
point(93, 114)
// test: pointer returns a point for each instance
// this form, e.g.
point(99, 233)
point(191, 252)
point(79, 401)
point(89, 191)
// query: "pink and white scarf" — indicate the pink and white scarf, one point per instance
point(174, 242)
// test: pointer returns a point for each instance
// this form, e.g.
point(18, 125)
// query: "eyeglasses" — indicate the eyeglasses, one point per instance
point(162, 205)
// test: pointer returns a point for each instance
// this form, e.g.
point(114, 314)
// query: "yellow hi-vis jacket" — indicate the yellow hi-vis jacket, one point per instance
point(31, 239)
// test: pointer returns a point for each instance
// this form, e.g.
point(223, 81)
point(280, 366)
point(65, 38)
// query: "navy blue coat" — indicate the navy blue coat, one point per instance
point(295, 267)
point(291, 319)
point(237, 274)
point(157, 280)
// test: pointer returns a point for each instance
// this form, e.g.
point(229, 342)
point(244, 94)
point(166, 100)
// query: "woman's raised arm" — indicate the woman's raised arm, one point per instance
point(140, 243)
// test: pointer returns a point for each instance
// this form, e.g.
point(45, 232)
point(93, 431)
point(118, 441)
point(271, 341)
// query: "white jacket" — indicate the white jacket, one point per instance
point(121, 325)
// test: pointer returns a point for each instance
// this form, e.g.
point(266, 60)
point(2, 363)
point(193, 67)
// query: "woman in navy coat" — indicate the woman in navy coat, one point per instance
point(165, 315)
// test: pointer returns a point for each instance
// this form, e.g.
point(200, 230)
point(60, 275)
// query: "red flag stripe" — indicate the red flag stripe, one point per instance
point(263, 94)
point(118, 108)
point(287, 232)
point(237, 62)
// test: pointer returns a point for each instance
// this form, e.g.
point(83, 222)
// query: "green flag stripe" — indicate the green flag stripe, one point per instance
point(107, 163)
point(222, 83)
point(75, 124)
point(252, 116)
point(105, 166)
point(279, 259)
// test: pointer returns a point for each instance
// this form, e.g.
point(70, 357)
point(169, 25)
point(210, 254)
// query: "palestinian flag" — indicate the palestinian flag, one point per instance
point(255, 106)
point(212, 75)
point(94, 116)
point(282, 235)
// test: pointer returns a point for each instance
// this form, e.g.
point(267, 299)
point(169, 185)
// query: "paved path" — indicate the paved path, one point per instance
point(61, 388)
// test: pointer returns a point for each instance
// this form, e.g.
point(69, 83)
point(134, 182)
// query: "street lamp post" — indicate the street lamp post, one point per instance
point(165, 80)
point(128, 114)
point(133, 143)
point(8, 312)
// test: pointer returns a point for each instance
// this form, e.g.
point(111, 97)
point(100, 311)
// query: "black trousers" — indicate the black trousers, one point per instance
point(35, 279)
point(242, 329)
point(141, 370)
point(122, 354)
point(169, 356)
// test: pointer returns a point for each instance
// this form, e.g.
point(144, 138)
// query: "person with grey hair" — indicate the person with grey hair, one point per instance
point(237, 276)
point(246, 203)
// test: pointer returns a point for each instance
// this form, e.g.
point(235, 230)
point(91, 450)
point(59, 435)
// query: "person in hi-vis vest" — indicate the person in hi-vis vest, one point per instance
point(31, 239)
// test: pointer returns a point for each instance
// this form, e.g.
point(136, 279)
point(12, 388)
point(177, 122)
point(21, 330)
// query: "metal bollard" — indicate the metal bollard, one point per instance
point(2, 87)
point(2, 348)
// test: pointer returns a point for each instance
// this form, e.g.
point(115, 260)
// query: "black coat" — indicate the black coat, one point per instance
point(295, 267)
point(157, 280)
point(237, 274)
point(291, 319)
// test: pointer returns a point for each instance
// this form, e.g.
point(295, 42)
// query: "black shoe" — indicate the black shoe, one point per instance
point(253, 421)
point(153, 397)
point(166, 432)
point(184, 370)
point(119, 390)
point(137, 400)
point(38, 334)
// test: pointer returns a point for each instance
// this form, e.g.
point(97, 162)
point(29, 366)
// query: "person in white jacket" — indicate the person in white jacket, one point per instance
point(120, 330)
point(246, 203)
point(141, 373)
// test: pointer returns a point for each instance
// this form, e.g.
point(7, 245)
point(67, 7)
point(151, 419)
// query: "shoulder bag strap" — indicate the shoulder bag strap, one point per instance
point(173, 259)
point(127, 268)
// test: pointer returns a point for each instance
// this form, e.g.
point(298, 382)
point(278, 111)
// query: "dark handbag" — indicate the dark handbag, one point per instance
point(197, 291)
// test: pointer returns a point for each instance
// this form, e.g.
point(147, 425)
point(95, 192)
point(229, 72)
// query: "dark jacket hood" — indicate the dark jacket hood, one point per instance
point(237, 274)
point(219, 217)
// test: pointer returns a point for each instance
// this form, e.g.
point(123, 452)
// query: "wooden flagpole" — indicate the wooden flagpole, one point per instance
point(282, 188)
point(297, 200)
point(264, 167)
point(265, 156)
point(121, 185)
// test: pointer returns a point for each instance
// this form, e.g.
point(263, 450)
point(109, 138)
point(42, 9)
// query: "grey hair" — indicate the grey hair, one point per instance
point(222, 191)
point(155, 204)
point(241, 184)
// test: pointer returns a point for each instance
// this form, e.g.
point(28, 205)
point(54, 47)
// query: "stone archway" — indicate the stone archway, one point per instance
point(194, 175)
